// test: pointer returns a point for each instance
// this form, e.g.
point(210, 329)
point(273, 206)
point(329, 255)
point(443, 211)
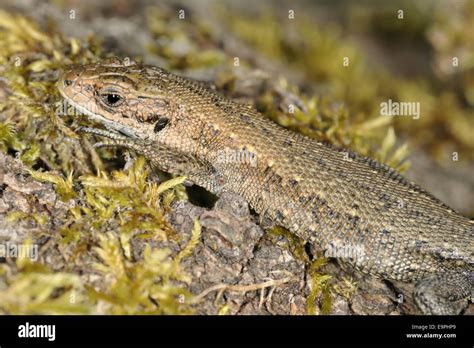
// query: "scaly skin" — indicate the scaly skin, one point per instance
point(329, 196)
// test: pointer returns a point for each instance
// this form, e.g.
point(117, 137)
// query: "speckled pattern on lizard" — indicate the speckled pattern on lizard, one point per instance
point(329, 196)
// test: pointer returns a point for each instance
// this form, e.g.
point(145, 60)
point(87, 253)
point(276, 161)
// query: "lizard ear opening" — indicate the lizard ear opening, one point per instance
point(160, 124)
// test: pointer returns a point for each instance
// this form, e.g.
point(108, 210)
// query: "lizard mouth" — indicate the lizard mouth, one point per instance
point(114, 130)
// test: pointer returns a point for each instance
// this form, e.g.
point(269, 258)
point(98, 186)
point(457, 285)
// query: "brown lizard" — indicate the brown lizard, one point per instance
point(329, 196)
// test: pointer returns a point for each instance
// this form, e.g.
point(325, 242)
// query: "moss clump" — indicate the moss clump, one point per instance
point(320, 289)
point(30, 60)
point(296, 245)
point(64, 187)
point(128, 202)
point(146, 282)
point(143, 287)
point(124, 202)
point(346, 288)
point(32, 288)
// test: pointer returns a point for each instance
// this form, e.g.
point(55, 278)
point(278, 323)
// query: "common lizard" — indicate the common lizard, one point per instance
point(329, 196)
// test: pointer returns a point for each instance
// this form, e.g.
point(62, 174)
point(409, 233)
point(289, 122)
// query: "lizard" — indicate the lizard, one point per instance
point(327, 195)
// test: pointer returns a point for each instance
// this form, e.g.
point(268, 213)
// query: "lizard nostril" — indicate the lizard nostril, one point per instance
point(67, 82)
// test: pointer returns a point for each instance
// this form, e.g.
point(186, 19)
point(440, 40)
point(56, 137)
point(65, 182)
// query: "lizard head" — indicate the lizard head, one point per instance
point(143, 108)
point(130, 100)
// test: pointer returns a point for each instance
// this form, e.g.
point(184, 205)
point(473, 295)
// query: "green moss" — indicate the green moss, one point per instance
point(8, 137)
point(296, 245)
point(63, 186)
point(320, 289)
point(32, 288)
point(29, 58)
point(39, 219)
point(130, 205)
point(129, 198)
point(123, 201)
point(142, 287)
point(346, 288)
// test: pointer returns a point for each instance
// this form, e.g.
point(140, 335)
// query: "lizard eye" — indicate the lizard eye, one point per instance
point(160, 124)
point(111, 99)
